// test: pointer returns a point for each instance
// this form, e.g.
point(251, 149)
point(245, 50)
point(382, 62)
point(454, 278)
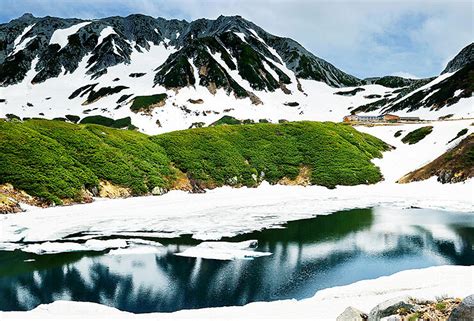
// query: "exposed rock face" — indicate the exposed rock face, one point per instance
point(158, 191)
point(390, 81)
point(110, 190)
point(303, 178)
point(456, 165)
point(11, 197)
point(464, 311)
point(464, 57)
point(442, 94)
point(196, 101)
point(352, 314)
point(9, 205)
point(389, 308)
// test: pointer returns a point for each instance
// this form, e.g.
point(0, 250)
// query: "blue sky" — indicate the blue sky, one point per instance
point(362, 37)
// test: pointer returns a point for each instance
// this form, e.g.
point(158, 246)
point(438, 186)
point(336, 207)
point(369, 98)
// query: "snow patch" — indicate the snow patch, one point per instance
point(17, 40)
point(22, 45)
point(226, 211)
point(225, 250)
point(61, 247)
point(240, 35)
point(60, 36)
point(107, 31)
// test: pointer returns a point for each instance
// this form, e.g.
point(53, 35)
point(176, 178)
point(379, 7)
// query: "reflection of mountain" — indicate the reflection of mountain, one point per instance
point(308, 255)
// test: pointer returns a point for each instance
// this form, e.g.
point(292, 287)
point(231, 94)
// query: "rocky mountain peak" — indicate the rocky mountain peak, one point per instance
point(464, 57)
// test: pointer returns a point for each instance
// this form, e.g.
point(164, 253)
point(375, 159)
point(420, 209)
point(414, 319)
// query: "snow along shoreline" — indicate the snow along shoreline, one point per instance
point(226, 211)
point(327, 304)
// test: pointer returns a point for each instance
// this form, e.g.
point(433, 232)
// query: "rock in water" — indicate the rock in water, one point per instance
point(389, 308)
point(464, 311)
point(352, 314)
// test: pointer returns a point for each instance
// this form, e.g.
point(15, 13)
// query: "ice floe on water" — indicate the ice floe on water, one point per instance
point(89, 246)
point(226, 211)
point(225, 250)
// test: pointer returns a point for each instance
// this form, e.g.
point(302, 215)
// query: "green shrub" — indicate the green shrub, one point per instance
point(73, 118)
point(145, 102)
point(55, 160)
point(12, 117)
point(441, 306)
point(336, 154)
point(122, 123)
point(462, 132)
point(98, 119)
point(109, 122)
point(40, 165)
point(417, 135)
point(226, 120)
point(398, 133)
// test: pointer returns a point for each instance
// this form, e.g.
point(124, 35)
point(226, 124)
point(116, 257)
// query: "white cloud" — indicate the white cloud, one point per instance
point(404, 75)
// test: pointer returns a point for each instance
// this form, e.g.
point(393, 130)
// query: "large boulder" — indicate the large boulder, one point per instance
point(352, 314)
point(464, 311)
point(390, 307)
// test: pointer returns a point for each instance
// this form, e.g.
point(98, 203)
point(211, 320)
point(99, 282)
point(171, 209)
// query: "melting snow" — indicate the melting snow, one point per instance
point(107, 31)
point(240, 35)
point(60, 36)
point(224, 250)
point(25, 31)
point(228, 211)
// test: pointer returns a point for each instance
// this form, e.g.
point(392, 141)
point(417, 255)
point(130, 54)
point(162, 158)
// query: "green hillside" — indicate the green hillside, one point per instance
point(55, 160)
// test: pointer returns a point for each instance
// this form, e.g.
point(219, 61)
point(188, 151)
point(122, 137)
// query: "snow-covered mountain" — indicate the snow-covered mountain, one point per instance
point(449, 93)
point(170, 74)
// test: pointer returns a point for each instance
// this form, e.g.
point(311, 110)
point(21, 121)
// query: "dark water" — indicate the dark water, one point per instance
point(308, 255)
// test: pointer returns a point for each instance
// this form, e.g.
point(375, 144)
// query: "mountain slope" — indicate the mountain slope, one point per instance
point(465, 56)
point(456, 165)
point(62, 43)
point(169, 74)
point(432, 94)
point(57, 161)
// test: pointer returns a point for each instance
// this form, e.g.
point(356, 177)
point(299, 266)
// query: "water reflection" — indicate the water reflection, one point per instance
point(307, 256)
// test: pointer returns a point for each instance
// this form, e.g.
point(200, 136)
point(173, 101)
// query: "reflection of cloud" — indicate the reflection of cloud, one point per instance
point(308, 256)
point(365, 38)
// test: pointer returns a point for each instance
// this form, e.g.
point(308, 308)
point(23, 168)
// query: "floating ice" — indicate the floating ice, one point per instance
point(225, 250)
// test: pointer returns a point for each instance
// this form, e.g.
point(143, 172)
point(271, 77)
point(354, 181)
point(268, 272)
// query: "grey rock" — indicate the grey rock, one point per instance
point(95, 191)
point(352, 314)
point(158, 191)
point(464, 57)
point(390, 307)
point(464, 311)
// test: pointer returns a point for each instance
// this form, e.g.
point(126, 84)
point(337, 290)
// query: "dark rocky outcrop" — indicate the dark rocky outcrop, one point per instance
point(352, 92)
point(464, 311)
point(464, 57)
point(456, 165)
point(352, 314)
point(390, 307)
point(390, 81)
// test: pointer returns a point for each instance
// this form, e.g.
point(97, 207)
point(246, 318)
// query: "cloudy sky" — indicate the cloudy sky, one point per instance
point(362, 37)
